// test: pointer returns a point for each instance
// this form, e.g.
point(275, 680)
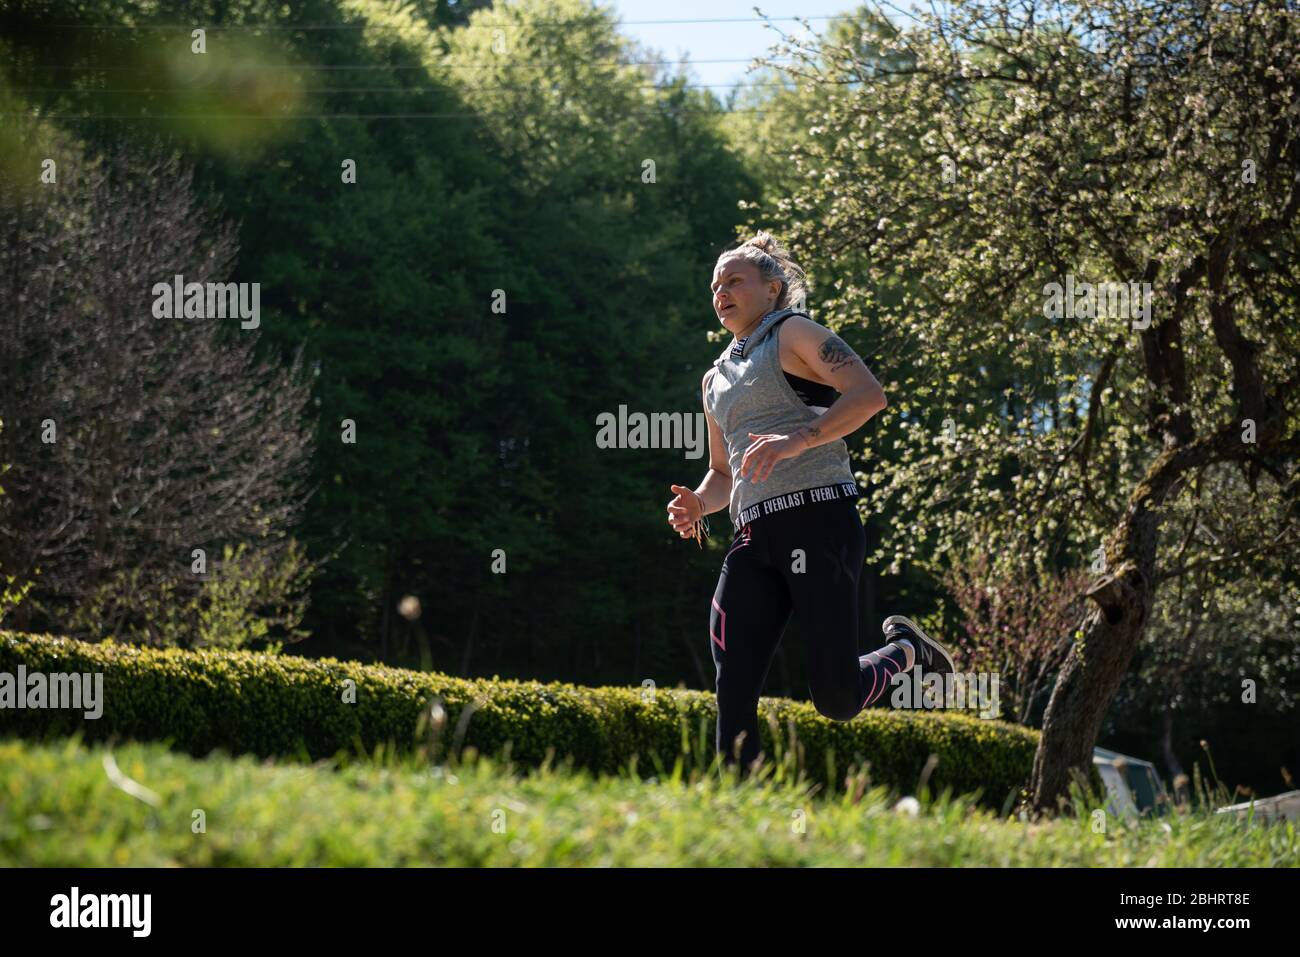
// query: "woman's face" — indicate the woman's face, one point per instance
point(740, 297)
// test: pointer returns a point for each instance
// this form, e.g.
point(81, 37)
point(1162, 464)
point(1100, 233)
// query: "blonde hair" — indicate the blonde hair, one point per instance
point(773, 262)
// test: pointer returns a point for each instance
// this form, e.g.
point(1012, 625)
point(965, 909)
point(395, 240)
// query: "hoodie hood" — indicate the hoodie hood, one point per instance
point(743, 347)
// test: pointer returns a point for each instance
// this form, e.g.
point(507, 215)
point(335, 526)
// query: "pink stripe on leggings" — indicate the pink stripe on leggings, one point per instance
point(874, 679)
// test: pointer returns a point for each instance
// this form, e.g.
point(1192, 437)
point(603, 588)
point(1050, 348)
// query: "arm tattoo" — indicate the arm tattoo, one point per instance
point(836, 353)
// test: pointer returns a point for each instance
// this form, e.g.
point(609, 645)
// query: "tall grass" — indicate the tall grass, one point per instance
point(65, 804)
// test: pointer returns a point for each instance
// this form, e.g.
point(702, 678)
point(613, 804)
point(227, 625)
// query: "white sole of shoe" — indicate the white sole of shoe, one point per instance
point(942, 651)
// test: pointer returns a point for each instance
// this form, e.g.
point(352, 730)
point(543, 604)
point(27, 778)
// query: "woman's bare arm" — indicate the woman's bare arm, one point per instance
point(715, 490)
point(832, 361)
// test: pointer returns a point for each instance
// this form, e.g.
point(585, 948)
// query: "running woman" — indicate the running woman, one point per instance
point(778, 401)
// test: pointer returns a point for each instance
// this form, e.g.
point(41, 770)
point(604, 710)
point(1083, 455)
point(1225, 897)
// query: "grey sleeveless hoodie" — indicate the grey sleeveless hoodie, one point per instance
point(749, 393)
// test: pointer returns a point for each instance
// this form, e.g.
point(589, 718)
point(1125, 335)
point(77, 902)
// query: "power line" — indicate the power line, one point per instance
point(211, 117)
point(392, 89)
point(462, 66)
point(492, 25)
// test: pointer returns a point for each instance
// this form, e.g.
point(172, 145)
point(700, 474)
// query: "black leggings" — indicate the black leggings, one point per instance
point(762, 581)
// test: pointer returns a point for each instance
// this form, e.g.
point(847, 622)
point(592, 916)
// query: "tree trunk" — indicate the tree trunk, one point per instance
point(1096, 665)
point(1088, 681)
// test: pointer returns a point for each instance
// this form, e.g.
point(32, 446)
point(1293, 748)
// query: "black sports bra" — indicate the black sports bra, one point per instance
point(812, 393)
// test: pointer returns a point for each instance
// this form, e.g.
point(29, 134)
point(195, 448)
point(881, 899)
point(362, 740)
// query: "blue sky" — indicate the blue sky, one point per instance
point(721, 41)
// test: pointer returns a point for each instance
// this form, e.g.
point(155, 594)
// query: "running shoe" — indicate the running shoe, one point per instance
point(930, 655)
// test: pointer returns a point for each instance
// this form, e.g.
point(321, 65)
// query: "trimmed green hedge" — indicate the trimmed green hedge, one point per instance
point(278, 705)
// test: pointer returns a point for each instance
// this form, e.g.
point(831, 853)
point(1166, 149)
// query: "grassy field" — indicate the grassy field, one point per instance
point(63, 803)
